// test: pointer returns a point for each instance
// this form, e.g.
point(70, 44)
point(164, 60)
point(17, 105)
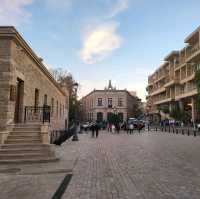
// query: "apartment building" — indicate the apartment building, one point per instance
point(173, 82)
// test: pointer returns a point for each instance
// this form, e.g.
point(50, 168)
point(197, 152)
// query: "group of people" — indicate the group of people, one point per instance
point(95, 129)
point(113, 128)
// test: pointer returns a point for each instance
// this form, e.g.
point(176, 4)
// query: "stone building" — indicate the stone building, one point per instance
point(28, 92)
point(98, 104)
point(173, 83)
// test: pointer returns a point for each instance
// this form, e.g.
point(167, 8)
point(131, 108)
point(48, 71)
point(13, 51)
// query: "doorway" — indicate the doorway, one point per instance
point(19, 101)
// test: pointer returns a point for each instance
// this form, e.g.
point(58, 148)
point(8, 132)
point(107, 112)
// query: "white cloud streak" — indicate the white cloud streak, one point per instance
point(99, 42)
point(12, 12)
point(118, 7)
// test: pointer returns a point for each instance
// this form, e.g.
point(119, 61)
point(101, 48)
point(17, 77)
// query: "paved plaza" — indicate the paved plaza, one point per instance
point(150, 165)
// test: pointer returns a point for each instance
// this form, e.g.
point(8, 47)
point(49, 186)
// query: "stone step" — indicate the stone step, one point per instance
point(21, 141)
point(23, 156)
point(25, 137)
point(24, 133)
point(24, 151)
point(29, 161)
point(22, 129)
point(26, 146)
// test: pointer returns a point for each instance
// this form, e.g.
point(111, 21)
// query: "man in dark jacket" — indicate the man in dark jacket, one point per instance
point(92, 128)
point(97, 129)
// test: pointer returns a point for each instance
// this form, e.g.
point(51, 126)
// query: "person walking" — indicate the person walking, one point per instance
point(131, 128)
point(97, 129)
point(92, 128)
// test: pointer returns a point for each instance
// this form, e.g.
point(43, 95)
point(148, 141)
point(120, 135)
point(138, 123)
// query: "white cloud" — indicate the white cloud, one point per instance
point(120, 6)
point(99, 42)
point(12, 12)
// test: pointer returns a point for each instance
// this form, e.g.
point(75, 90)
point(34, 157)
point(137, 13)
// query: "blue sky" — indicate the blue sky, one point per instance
point(98, 40)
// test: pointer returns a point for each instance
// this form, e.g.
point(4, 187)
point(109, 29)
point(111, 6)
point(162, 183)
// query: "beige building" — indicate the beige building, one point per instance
point(26, 86)
point(173, 84)
point(98, 104)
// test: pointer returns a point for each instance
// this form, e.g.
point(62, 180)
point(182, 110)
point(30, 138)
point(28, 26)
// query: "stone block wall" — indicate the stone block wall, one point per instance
point(18, 62)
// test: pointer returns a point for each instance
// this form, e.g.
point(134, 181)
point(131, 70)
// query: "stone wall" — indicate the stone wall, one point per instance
point(4, 80)
point(16, 63)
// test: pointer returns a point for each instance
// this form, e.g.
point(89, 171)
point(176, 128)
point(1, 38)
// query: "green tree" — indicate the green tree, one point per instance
point(64, 78)
point(177, 113)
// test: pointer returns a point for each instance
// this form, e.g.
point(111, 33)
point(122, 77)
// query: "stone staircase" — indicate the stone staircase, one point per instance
point(24, 145)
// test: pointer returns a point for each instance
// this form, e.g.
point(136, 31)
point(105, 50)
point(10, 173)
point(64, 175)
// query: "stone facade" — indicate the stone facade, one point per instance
point(99, 103)
point(25, 81)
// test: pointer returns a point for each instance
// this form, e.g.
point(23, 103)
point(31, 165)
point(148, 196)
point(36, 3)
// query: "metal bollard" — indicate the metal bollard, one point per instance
point(176, 131)
point(165, 129)
point(169, 129)
point(156, 129)
point(188, 132)
point(173, 130)
point(148, 127)
point(182, 131)
point(195, 133)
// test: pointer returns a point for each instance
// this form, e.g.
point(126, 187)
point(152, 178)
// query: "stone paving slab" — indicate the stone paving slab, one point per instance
point(150, 165)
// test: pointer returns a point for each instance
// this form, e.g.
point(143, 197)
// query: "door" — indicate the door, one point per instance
point(19, 101)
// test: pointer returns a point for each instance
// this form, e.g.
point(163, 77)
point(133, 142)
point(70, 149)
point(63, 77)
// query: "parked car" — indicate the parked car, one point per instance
point(85, 126)
point(138, 124)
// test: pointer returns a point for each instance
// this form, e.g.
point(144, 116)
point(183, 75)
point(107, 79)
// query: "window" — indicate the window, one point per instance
point(109, 102)
point(36, 97)
point(120, 102)
point(99, 103)
point(57, 108)
point(45, 100)
point(60, 110)
point(52, 105)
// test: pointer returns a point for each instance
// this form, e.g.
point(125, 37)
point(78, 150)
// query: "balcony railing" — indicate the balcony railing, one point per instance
point(37, 114)
point(192, 50)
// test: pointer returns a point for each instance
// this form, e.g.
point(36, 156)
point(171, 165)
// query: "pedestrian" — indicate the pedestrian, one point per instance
point(131, 128)
point(113, 128)
point(92, 128)
point(97, 129)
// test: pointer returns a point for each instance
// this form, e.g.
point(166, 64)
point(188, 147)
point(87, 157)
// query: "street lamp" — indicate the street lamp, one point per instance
point(75, 136)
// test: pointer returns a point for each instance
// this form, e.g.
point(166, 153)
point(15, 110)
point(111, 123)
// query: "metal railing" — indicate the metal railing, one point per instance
point(37, 114)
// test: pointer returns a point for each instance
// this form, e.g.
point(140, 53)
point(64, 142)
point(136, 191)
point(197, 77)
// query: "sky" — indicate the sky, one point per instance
point(100, 40)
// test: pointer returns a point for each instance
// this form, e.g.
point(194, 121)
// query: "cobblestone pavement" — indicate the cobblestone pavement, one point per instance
point(139, 166)
point(145, 166)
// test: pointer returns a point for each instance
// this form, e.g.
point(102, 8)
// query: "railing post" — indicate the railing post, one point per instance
point(25, 115)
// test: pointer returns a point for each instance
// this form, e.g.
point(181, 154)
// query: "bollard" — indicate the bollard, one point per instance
point(176, 131)
point(195, 133)
point(188, 132)
point(169, 129)
point(173, 130)
point(165, 129)
point(182, 131)
point(156, 129)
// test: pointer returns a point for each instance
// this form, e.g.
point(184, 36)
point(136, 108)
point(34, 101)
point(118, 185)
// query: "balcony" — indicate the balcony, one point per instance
point(157, 91)
point(187, 79)
point(192, 51)
point(171, 81)
point(190, 91)
point(163, 100)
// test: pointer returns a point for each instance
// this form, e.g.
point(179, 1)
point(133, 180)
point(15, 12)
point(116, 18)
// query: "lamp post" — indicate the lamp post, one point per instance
point(75, 136)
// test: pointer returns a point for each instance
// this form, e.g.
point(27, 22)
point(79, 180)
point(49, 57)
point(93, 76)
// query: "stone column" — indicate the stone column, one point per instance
point(45, 133)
